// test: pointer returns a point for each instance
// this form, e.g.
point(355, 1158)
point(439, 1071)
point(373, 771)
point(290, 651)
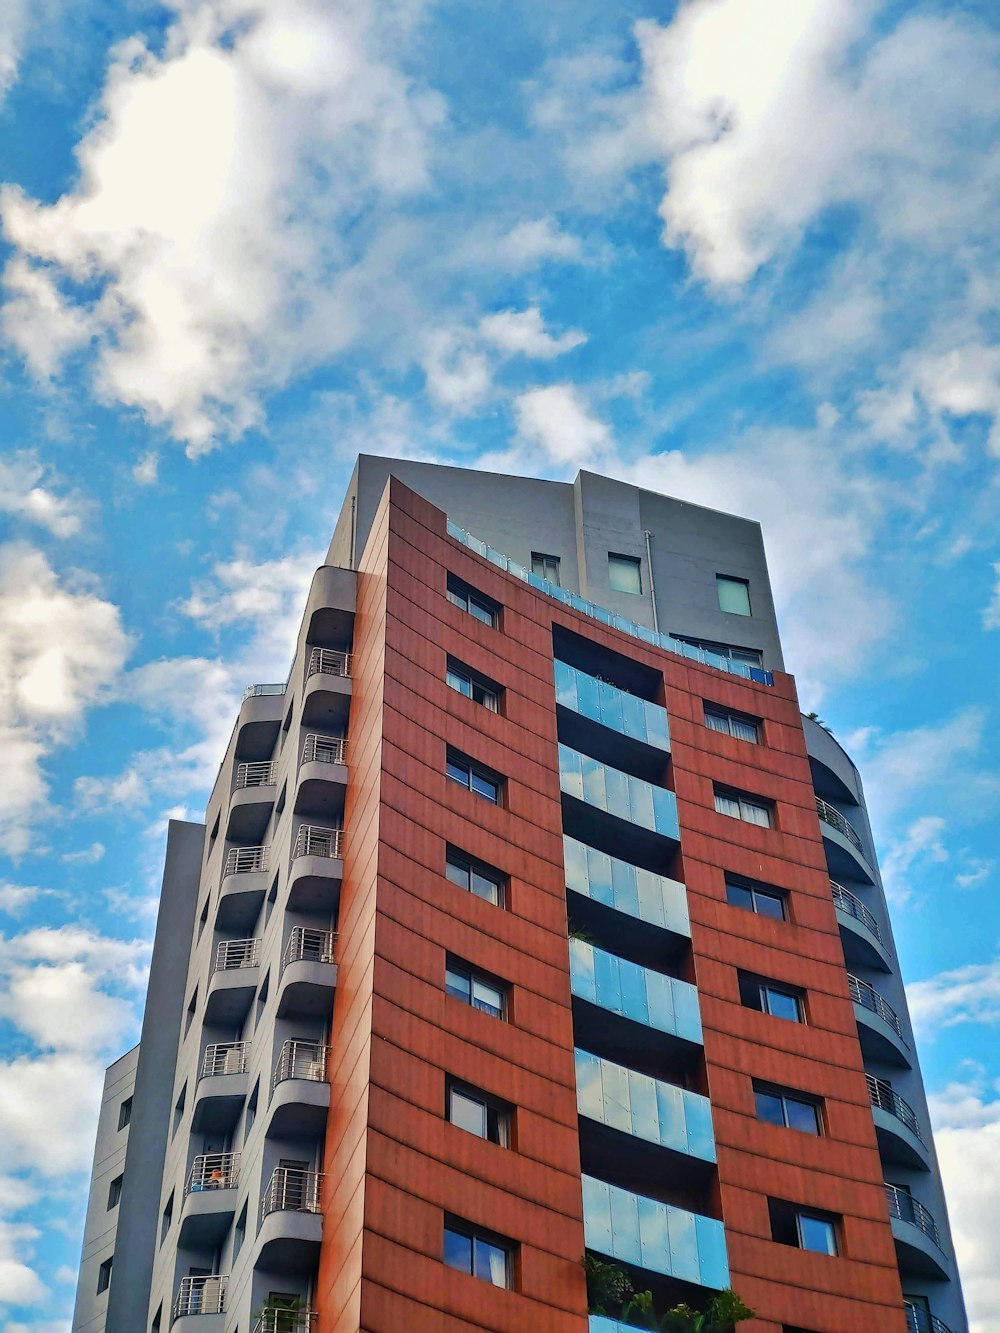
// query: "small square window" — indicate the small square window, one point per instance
point(753, 898)
point(545, 566)
point(803, 1228)
point(473, 777)
point(104, 1275)
point(125, 1113)
point(740, 805)
point(768, 997)
point(476, 604)
point(478, 1113)
point(478, 1253)
point(625, 573)
point(475, 988)
point(788, 1109)
point(734, 595)
point(738, 725)
point(478, 688)
point(475, 876)
point(817, 1234)
point(115, 1192)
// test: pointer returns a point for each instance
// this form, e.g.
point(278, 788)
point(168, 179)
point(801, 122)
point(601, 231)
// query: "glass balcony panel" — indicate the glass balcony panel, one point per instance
point(657, 728)
point(683, 1235)
point(713, 1261)
point(642, 1105)
point(654, 1239)
point(619, 800)
point(687, 1014)
point(698, 1123)
point(589, 1085)
point(671, 1117)
point(650, 904)
point(625, 1226)
point(611, 714)
point(600, 868)
point(634, 992)
point(634, 717)
point(588, 697)
point(571, 772)
point(565, 684)
point(594, 789)
point(575, 861)
point(617, 1104)
point(597, 1214)
point(641, 803)
point(634, 985)
point(607, 981)
point(660, 999)
point(664, 812)
point(582, 970)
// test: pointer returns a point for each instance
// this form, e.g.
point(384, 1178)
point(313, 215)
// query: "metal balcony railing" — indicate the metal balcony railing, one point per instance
point(257, 691)
point(201, 1295)
point(275, 1320)
point(225, 1057)
point(213, 1171)
point(230, 954)
point(868, 997)
point(325, 750)
point(329, 661)
point(921, 1321)
point(245, 860)
point(886, 1098)
point(301, 1059)
point(308, 945)
point(908, 1209)
point(260, 774)
point(314, 841)
point(832, 816)
point(853, 906)
point(291, 1189)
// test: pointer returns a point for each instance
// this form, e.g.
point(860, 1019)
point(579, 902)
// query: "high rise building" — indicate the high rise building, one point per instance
point(529, 918)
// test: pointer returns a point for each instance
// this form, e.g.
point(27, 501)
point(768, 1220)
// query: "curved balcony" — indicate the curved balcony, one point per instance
point(291, 1223)
point(896, 1126)
point(637, 898)
point(209, 1200)
point(326, 698)
point(308, 974)
point(252, 800)
point(322, 777)
point(860, 933)
point(233, 982)
point(845, 853)
point(241, 892)
point(317, 869)
point(628, 814)
point(275, 1319)
point(198, 1298)
point(222, 1087)
point(879, 1028)
point(300, 1091)
point(922, 1321)
point(609, 723)
point(656, 1236)
point(918, 1241)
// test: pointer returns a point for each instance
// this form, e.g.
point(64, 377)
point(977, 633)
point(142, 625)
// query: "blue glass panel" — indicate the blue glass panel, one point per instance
point(597, 1215)
point(625, 1226)
point(653, 1239)
point(698, 1116)
point(664, 812)
point(579, 603)
point(683, 1245)
point(565, 684)
point(650, 890)
point(588, 700)
point(671, 1118)
point(601, 1324)
point(633, 716)
point(594, 790)
point(611, 706)
point(633, 988)
point(686, 1010)
point(600, 614)
point(517, 570)
point(617, 789)
point(575, 861)
point(626, 896)
point(647, 635)
point(642, 1103)
point(641, 803)
point(617, 1105)
point(659, 993)
point(570, 772)
point(496, 557)
point(657, 727)
point(541, 584)
point(560, 594)
point(599, 864)
point(581, 968)
point(589, 1086)
point(713, 1262)
point(606, 980)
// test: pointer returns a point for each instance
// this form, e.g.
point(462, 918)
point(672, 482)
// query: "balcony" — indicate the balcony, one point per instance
point(300, 1092)
point(918, 1241)
point(322, 778)
point(610, 723)
point(209, 1200)
point(244, 882)
point(623, 900)
point(276, 1320)
point(645, 1109)
point(291, 1223)
point(327, 694)
point(845, 852)
point(626, 813)
point(879, 1028)
point(233, 982)
point(859, 931)
point(317, 869)
point(201, 1297)
point(222, 1087)
point(252, 800)
point(922, 1321)
point(896, 1126)
point(658, 1237)
point(308, 974)
point(617, 1002)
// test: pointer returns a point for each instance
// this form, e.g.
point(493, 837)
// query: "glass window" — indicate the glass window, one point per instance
point(751, 656)
point(115, 1193)
point(477, 605)
point(474, 876)
point(472, 777)
point(104, 1275)
point(727, 805)
point(732, 724)
point(474, 687)
point(803, 1116)
point(752, 898)
point(734, 595)
point(474, 988)
point(125, 1113)
point(738, 896)
point(787, 1109)
point(770, 1108)
point(481, 1255)
point(781, 1004)
point(801, 1227)
point(751, 809)
point(625, 573)
point(545, 566)
point(479, 1114)
point(487, 997)
point(817, 1234)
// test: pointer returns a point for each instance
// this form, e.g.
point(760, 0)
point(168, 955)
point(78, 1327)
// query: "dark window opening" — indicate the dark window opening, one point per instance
point(475, 876)
point(771, 997)
point(474, 777)
point(478, 1113)
point(478, 989)
point(754, 898)
point(480, 689)
point(792, 1110)
point(477, 1252)
point(803, 1228)
point(476, 604)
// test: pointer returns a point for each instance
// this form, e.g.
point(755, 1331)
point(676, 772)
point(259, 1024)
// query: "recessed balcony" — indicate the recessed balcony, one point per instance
point(209, 1200)
point(252, 800)
point(627, 813)
point(233, 982)
point(326, 699)
point(274, 1319)
point(845, 852)
point(244, 883)
point(222, 1087)
point(317, 869)
point(308, 974)
point(620, 902)
point(647, 1234)
point(322, 778)
point(896, 1126)
point(200, 1304)
point(291, 1222)
point(922, 1321)
point(879, 1028)
point(611, 724)
point(860, 932)
point(300, 1091)
point(918, 1241)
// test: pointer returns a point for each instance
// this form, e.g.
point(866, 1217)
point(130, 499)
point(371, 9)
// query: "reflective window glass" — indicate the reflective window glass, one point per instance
point(467, 1113)
point(727, 805)
point(459, 984)
point(817, 1234)
point(734, 595)
point(624, 573)
point(769, 904)
point(755, 814)
point(491, 1262)
point(545, 566)
point(487, 997)
point(457, 1250)
point(781, 1004)
point(770, 1108)
point(803, 1116)
point(738, 896)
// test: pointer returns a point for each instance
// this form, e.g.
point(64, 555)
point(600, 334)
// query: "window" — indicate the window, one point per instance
point(475, 988)
point(478, 605)
point(734, 595)
point(751, 809)
point(625, 573)
point(739, 725)
point(751, 656)
point(478, 1113)
point(251, 1111)
point(262, 994)
point(155, 1325)
point(179, 1110)
point(477, 1252)
point(104, 1275)
point(545, 566)
point(753, 898)
point(476, 779)
point(240, 1232)
point(793, 1110)
point(771, 998)
point(192, 1009)
point(115, 1192)
point(167, 1218)
point(476, 876)
point(803, 1228)
point(203, 919)
point(125, 1113)
point(478, 688)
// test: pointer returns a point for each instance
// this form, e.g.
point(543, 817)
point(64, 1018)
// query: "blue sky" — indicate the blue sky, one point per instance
point(741, 251)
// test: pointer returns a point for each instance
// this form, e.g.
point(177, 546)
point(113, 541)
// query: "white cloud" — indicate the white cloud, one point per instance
point(991, 615)
point(69, 1087)
point(558, 422)
point(87, 856)
point(147, 468)
point(523, 333)
point(976, 873)
point(919, 846)
point(231, 191)
point(61, 647)
point(14, 898)
point(967, 994)
point(535, 242)
point(23, 496)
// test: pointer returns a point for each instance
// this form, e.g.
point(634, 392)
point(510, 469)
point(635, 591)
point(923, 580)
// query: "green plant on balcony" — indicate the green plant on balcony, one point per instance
point(608, 1285)
point(610, 1292)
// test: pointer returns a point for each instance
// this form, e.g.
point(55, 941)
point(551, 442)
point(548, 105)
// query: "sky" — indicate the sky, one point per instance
point(740, 251)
